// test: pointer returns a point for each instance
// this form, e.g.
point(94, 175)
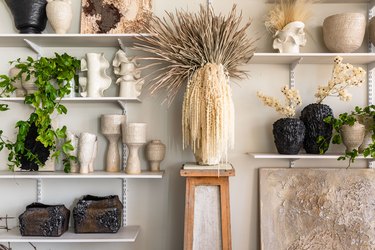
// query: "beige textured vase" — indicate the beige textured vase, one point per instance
point(134, 135)
point(59, 14)
point(344, 33)
point(110, 126)
point(155, 153)
point(352, 136)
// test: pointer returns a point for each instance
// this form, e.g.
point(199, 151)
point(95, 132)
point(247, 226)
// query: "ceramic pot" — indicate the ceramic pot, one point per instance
point(44, 220)
point(155, 153)
point(110, 126)
point(289, 134)
point(344, 33)
point(86, 150)
point(352, 136)
point(97, 79)
point(94, 214)
point(29, 15)
point(290, 38)
point(134, 135)
point(20, 91)
point(368, 122)
point(59, 13)
point(313, 117)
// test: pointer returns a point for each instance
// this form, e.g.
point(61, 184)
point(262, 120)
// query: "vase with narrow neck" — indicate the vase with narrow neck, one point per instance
point(59, 13)
point(86, 149)
point(352, 136)
point(110, 126)
point(134, 135)
point(290, 38)
point(97, 79)
point(29, 15)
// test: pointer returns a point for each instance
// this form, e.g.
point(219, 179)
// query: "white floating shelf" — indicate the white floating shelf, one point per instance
point(311, 58)
point(68, 40)
point(125, 234)
point(334, 1)
point(79, 99)
point(94, 175)
point(299, 156)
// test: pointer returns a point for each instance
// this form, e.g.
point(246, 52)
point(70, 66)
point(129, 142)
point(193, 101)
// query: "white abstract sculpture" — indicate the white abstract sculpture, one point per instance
point(86, 151)
point(129, 80)
point(97, 79)
point(290, 38)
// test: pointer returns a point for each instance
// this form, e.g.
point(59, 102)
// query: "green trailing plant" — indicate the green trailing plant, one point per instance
point(350, 119)
point(51, 77)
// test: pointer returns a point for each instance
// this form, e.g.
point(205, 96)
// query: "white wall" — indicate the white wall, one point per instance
point(158, 205)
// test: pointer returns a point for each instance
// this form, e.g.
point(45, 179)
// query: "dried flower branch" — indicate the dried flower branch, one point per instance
point(344, 75)
point(287, 11)
point(183, 42)
point(292, 100)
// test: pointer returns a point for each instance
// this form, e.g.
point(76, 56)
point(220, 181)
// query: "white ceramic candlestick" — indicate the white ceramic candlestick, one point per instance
point(134, 135)
point(111, 129)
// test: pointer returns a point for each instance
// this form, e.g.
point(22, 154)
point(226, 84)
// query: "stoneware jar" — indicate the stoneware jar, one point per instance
point(155, 153)
point(59, 13)
point(344, 33)
point(352, 136)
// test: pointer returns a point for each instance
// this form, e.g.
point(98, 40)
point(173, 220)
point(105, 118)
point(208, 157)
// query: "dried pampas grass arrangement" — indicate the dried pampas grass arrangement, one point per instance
point(287, 11)
point(200, 51)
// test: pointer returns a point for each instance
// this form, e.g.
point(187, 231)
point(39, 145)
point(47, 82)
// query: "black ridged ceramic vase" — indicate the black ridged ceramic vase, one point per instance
point(288, 134)
point(44, 220)
point(312, 116)
point(29, 15)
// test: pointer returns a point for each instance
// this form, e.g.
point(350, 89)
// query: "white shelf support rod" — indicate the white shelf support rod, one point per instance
point(292, 67)
point(37, 49)
point(39, 187)
point(124, 201)
point(371, 6)
point(370, 83)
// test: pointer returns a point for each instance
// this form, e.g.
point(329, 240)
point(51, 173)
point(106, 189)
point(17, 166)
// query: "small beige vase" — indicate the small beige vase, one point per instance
point(59, 14)
point(344, 33)
point(352, 136)
point(155, 153)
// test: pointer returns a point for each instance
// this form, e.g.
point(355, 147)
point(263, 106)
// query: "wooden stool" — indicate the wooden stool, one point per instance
point(207, 212)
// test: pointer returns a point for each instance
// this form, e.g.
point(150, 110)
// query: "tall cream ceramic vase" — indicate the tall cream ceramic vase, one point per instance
point(155, 153)
point(134, 135)
point(344, 33)
point(59, 14)
point(110, 126)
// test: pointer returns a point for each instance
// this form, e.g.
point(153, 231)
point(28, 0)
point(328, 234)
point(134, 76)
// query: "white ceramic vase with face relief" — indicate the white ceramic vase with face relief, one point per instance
point(134, 135)
point(290, 38)
point(59, 14)
point(110, 126)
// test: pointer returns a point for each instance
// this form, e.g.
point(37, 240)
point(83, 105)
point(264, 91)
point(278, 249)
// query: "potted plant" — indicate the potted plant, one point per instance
point(285, 21)
point(288, 132)
point(344, 75)
point(200, 52)
point(36, 136)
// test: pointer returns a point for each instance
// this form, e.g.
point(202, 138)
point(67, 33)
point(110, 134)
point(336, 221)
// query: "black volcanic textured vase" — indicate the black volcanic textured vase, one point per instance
point(29, 15)
point(35, 147)
point(44, 220)
point(94, 214)
point(313, 117)
point(288, 134)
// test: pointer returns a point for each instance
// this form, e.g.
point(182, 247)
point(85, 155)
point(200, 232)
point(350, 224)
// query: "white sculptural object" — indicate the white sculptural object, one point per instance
point(290, 38)
point(110, 126)
point(59, 14)
point(134, 135)
point(129, 72)
point(86, 151)
point(97, 79)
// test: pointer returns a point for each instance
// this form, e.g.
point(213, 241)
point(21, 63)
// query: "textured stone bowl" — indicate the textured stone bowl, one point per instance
point(344, 33)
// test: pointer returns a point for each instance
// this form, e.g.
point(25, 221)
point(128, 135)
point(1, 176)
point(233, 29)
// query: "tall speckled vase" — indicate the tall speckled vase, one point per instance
point(313, 117)
point(29, 15)
point(288, 134)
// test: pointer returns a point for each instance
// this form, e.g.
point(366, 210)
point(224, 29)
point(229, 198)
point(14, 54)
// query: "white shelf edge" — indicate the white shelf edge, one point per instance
point(94, 175)
point(311, 58)
point(299, 156)
point(125, 234)
point(78, 99)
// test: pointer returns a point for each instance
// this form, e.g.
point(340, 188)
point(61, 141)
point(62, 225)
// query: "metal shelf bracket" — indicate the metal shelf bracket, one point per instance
point(124, 202)
point(292, 68)
point(37, 49)
point(39, 187)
